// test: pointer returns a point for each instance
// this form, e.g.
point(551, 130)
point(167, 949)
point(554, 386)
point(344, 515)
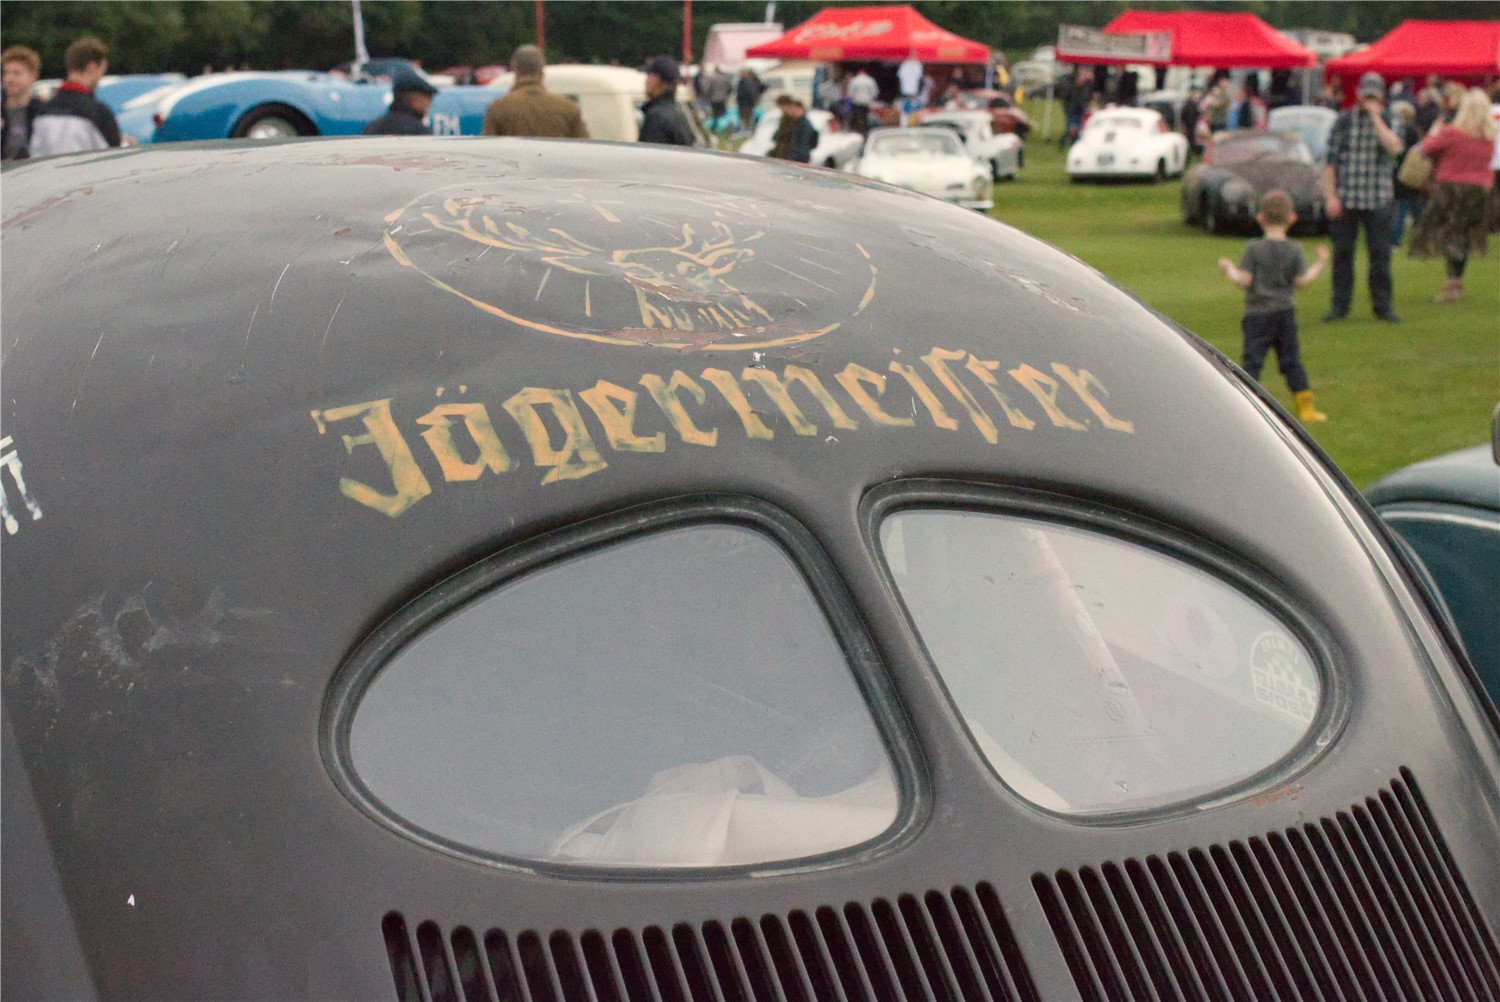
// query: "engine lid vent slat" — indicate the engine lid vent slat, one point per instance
point(939, 946)
point(1367, 903)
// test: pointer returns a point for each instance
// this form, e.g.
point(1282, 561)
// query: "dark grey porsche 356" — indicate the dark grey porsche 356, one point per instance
point(517, 570)
point(1222, 193)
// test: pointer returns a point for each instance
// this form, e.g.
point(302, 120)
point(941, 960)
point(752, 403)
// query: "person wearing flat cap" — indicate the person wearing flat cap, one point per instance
point(1358, 188)
point(663, 121)
point(411, 96)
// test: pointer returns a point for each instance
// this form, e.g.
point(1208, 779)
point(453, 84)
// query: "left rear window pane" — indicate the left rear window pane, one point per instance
point(674, 699)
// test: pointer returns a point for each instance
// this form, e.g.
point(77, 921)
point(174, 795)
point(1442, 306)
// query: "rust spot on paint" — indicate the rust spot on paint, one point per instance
point(35, 210)
point(1285, 793)
point(343, 232)
point(393, 162)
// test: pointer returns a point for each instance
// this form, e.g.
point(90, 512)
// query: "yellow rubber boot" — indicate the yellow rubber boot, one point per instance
point(1306, 412)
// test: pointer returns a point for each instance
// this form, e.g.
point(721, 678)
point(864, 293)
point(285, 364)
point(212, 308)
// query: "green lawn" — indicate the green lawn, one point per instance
point(1393, 395)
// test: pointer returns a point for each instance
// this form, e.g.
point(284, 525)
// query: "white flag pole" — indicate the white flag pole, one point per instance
point(361, 54)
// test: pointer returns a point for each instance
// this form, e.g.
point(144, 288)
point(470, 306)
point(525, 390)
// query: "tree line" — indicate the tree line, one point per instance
point(186, 35)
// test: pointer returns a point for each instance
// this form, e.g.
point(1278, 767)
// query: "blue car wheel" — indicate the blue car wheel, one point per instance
point(273, 121)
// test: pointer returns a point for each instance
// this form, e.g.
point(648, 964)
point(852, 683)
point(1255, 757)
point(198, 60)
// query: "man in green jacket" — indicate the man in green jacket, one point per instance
point(795, 137)
point(529, 110)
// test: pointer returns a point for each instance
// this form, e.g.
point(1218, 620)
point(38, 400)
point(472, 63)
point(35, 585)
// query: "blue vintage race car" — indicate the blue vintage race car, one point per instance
point(260, 105)
point(131, 96)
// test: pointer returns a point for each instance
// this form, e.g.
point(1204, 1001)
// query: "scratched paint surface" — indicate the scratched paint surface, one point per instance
point(223, 384)
point(685, 267)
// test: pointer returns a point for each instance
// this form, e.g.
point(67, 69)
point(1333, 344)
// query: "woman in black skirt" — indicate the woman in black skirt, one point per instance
point(1454, 222)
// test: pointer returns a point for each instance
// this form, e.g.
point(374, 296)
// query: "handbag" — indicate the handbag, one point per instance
point(1416, 169)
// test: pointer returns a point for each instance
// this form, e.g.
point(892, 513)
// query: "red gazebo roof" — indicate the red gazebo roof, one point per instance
point(1207, 38)
point(1469, 49)
point(889, 34)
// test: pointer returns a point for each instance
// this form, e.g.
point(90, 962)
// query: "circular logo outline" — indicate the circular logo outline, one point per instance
point(714, 257)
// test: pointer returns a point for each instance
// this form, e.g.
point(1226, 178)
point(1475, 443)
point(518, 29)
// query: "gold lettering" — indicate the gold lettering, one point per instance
point(985, 372)
point(1044, 388)
point(729, 387)
point(924, 393)
point(440, 440)
point(615, 408)
point(852, 379)
point(937, 360)
point(578, 456)
point(780, 393)
point(1081, 382)
point(665, 392)
point(380, 431)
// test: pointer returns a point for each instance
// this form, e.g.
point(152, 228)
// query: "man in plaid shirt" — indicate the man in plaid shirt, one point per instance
point(1358, 188)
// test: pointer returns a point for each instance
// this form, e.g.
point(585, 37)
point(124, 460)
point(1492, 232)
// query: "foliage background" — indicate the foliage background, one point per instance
point(185, 35)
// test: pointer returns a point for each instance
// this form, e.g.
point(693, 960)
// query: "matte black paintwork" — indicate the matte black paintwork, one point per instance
point(196, 339)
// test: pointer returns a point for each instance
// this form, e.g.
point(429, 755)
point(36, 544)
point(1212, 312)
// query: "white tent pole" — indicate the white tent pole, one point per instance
point(361, 54)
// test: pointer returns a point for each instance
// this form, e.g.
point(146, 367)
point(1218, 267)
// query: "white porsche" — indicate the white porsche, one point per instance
point(836, 147)
point(929, 160)
point(1127, 143)
point(1001, 150)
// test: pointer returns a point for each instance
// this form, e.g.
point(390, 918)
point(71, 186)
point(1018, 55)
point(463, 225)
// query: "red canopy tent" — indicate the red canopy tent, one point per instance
point(1204, 38)
point(1463, 50)
point(888, 34)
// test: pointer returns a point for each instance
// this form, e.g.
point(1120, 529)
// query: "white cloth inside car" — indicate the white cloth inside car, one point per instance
point(731, 811)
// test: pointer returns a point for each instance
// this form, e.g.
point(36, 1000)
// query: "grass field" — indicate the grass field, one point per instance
point(1393, 394)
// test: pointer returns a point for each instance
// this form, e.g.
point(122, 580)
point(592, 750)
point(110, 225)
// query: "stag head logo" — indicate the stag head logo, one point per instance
point(686, 269)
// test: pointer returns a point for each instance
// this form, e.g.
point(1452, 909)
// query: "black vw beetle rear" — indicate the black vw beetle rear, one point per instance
point(522, 570)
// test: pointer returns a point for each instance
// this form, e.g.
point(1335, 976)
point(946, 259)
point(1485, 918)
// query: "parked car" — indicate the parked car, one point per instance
point(1004, 115)
point(1001, 153)
point(1239, 166)
point(1130, 143)
point(836, 148)
point(481, 75)
point(131, 96)
point(1037, 78)
point(114, 90)
point(519, 569)
point(1447, 512)
point(1312, 122)
point(796, 77)
point(266, 105)
point(933, 161)
point(300, 103)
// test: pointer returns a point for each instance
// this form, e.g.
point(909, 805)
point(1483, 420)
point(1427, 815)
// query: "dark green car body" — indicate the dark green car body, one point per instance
point(1447, 510)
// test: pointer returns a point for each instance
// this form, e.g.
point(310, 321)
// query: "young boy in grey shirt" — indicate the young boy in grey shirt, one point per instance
point(1270, 270)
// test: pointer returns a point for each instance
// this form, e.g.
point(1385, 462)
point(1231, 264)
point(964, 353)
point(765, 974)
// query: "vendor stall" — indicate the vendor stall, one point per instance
point(1208, 38)
point(871, 34)
point(1466, 51)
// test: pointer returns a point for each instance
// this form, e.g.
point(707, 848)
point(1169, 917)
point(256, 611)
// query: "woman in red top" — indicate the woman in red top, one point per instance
point(1453, 223)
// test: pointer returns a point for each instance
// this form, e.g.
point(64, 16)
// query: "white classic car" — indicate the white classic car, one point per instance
point(1001, 151)
point(928, 160)
point(1126, 143)
point(835, 148)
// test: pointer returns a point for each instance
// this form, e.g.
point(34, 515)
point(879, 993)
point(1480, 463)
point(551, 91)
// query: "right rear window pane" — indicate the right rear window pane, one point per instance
point(1095, 674)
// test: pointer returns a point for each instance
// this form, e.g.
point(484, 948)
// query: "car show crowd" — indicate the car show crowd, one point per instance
point(1409, 160)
